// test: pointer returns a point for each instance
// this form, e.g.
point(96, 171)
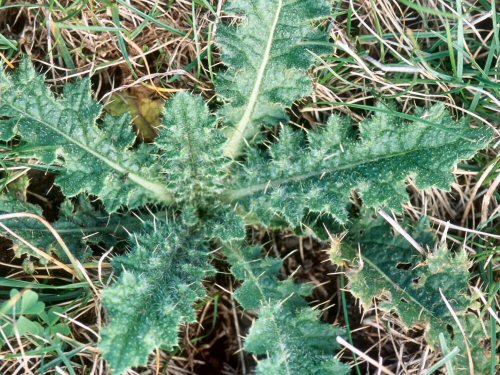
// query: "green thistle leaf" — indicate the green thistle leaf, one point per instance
point(97, 159)
point(287, 336)
point(413, 285)
point(159, 281)
point(267, 56)
point(320, 173)
point(191, 150)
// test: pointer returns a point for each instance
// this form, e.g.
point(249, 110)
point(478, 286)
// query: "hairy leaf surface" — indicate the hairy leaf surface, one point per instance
point(225, 224)
point(191, 149)
point(97, 159)
point(191, 155)
point(185, 164)
point(319, 174)
point(267, 55)
point(287, 335)
point(159, 281)
point(413, 285)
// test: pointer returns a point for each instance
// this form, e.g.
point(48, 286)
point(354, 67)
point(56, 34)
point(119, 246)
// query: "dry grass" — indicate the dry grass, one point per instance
point(380, 52)
point(91, 43)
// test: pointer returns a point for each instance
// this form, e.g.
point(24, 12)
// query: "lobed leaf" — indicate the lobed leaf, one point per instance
point(97, 159)
point(267, 55)
point(413, 285)
point(287, 336)
point(191, 150)
point(159, 281)
point(319, 175)
point(191, 155)
point(97, 151)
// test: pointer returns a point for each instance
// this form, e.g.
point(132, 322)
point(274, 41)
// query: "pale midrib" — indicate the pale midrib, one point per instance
point(193, 168)
point(243, 192)
point(397, 287)
point(101, 229)
point(159, 190)
point(148, 299)
point(232, 146)
point(255, 279)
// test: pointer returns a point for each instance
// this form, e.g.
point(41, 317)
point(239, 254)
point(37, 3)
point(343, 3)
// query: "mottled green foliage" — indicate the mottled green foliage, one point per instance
point(97, 159)
point(319, 173)
point(188, 172)
point(191, 150)
point(287, 336)
point(78, 225)
point(224, 223)
point(267, 55)
point(160, 279)
point(412, 285)
point(64, 129)
point(191, 154)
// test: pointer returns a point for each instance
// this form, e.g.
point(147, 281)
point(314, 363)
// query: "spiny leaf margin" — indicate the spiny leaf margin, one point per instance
point(319, 173)
point(287, 334)
point(97, 160)
point(267, 56)
point(413, 285)
point(160, 279)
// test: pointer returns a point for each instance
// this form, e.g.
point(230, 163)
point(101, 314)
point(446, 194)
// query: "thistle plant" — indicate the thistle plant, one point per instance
point(205, 177)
